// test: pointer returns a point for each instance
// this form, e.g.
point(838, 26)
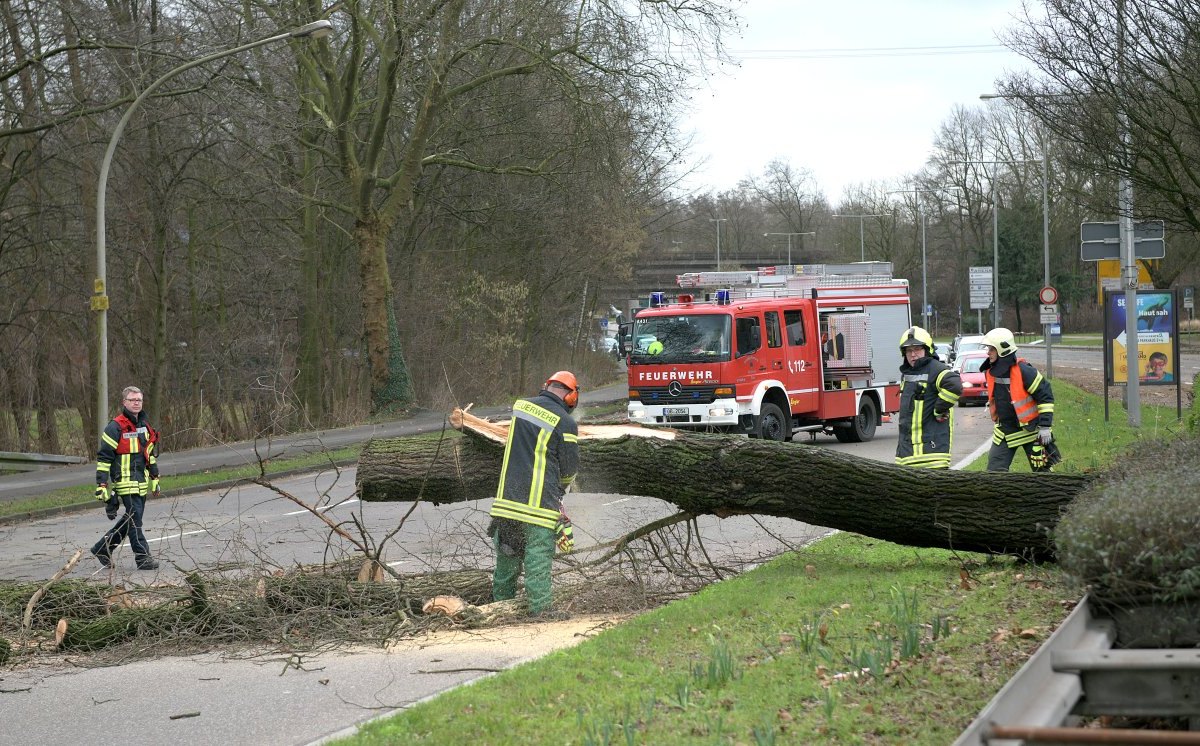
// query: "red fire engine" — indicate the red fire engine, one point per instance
point(777, 351)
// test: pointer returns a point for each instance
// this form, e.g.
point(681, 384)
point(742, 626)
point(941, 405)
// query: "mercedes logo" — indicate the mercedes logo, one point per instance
point(674, 388)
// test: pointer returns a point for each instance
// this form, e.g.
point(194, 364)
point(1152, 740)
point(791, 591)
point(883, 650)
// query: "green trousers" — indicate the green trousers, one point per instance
point(537, 557)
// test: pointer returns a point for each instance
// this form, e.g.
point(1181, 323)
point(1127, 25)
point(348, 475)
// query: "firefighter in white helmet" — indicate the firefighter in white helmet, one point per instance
point(927, 398)
point(1021, 404)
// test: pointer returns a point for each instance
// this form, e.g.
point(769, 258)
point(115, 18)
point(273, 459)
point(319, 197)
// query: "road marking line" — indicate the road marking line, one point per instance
point(179, 535)
point(615, 502)
point(974, 455)
point(324, 508)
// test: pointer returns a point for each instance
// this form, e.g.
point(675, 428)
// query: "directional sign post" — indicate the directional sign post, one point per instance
point(980, 284)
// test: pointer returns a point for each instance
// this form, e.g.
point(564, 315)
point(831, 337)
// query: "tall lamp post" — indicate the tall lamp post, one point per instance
point(718, 221)
point(789, 237)
point(921, 216)
point(1045, 244)
point(99, 301)
point(862, 241)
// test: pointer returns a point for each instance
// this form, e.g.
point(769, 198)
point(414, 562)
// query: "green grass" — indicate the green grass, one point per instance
point(1088, 442)
point(84, 495)
point(850, 640)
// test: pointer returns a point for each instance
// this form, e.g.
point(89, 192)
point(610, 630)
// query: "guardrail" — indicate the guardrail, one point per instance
point(1076, 672)
point(13, 461)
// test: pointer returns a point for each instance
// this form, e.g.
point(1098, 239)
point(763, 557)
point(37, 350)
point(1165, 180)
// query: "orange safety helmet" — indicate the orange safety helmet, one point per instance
point(566, 379)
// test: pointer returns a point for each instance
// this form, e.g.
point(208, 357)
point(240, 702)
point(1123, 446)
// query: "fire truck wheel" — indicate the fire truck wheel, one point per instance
point(862, 427)
point(771, 424)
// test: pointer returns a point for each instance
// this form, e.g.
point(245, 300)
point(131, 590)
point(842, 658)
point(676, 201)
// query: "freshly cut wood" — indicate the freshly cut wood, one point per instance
point(450, 606)
point(722, 475)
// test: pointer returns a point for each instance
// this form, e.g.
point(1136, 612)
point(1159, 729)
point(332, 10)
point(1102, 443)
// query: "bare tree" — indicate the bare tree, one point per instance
point(1107, 71)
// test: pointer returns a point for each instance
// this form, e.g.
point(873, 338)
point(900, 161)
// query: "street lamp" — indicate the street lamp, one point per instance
point(921, 216)
point(718, 221)
point(862, 242)
point(1045, 245)
point(789, 235)
point(99, 302)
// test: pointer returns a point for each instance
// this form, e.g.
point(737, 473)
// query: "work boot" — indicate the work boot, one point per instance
point(147, 563)
point(102, 557)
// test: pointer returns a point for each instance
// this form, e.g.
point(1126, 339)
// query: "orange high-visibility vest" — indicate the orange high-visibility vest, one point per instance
point(1023, 403)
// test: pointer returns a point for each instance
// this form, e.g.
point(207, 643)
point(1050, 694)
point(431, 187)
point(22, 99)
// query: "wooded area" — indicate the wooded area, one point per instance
point(434, 204)
point(727, 475)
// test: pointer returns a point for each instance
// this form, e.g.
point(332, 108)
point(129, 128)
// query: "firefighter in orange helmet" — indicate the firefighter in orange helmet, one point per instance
point(541, 458)
point(1022, 406)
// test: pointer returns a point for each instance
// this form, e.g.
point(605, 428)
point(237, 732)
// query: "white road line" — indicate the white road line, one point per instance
point(179, 535)
point(323, 509)
point(615, 502)
point(974, 454)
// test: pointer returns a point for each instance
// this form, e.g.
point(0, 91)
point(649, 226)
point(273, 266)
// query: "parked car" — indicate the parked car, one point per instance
point(942, 351)
point(965, 343)
point(974, 381)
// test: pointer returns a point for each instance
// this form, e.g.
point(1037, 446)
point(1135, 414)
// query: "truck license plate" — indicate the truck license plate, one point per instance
point(675, 410)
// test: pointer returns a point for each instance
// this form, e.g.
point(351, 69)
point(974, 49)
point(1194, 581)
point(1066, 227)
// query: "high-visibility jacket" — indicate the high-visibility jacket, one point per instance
point(930, 389)
point(1019, 398)
point(128, 456)
point(541, 458)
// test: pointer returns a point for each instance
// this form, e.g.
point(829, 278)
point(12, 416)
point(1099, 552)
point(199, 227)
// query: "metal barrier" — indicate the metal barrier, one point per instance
point(13, 461)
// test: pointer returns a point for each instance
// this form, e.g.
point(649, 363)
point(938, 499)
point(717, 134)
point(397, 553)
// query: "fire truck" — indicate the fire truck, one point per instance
point(772, 352)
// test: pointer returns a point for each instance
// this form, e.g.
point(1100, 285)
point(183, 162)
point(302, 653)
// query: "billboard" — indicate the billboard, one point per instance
point(1157, 341)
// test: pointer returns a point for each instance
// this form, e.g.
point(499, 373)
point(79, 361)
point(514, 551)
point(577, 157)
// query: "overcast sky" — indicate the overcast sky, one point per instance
point(867, 112)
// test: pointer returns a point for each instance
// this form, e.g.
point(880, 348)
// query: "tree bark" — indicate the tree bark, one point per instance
point(722, 475)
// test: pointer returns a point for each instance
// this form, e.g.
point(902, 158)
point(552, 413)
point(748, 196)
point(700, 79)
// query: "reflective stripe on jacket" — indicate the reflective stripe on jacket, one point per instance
point(128, 456)
point(1021, 403)
point(541, 458)
point(929, 388)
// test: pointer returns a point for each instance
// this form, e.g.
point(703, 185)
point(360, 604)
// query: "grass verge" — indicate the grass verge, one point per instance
point(849, 640)
point(1088, 442)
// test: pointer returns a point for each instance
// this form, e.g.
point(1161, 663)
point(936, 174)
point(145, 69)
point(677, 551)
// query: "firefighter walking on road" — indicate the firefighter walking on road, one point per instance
point(1021, 404)
point(929, 391)
point(128, 464)
point(541, 458)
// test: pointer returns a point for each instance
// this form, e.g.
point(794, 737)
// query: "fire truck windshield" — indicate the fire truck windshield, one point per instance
point(683, 338)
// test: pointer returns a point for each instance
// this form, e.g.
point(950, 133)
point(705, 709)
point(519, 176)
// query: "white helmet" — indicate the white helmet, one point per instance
point(1002, 340)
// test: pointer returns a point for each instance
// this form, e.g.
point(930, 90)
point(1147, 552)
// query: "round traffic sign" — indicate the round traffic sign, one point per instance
point(1048, 295)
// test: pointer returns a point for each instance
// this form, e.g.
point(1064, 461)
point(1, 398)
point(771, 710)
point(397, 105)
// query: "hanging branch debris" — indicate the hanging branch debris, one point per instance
point(724, 476)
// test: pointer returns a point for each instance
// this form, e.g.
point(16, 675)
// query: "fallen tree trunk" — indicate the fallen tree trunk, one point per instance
point(720, 475)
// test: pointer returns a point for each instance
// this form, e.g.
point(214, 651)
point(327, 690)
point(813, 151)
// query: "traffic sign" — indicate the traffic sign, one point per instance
point(1103, 240)
point(1049, 313)
point(979, 282)
point(1048, 295)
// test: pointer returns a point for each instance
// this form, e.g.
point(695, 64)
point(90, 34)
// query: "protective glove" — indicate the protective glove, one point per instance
point(1045, 436)
point(110, 507)
point(566, 535)
point(1038, 458)
point(154, 491)
point(102, 492)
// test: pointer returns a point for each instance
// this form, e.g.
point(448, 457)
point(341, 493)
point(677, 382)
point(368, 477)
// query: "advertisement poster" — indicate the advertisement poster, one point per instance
point(1157, 325)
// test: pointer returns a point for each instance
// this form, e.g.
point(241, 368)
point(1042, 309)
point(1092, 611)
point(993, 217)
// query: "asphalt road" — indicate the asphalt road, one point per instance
point(244, 698)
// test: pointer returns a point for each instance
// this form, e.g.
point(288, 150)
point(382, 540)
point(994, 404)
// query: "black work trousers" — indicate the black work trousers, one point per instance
point(128, 525)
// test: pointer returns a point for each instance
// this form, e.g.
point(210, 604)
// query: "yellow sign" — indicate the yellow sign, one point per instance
point(1108, 277)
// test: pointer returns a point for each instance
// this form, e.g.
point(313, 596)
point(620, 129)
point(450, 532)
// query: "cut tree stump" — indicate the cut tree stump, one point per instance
point(730, 475)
